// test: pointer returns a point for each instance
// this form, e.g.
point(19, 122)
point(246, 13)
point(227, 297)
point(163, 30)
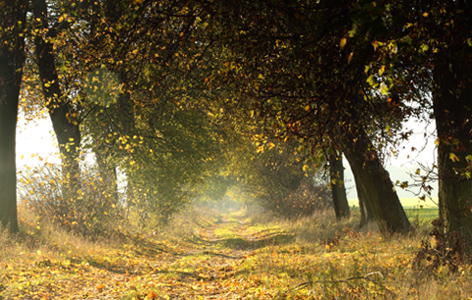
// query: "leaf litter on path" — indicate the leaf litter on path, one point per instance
point(199, 267)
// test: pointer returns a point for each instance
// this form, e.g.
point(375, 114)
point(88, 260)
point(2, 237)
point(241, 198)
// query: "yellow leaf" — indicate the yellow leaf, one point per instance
point(382, 70)
point(453, 157)
point(305, 168)
point(261, 77)
point(342, 43)
point(370, 80)
point(271, 145)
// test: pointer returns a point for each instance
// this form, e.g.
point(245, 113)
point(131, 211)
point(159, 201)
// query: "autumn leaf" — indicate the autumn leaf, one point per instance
point(453, 157)
point(151, 295)
point(100, 287)
point(381, 70)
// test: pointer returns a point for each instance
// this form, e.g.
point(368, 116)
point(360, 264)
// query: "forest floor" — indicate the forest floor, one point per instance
point(229, 256)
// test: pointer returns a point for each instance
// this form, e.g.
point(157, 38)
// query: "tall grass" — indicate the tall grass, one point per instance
point(313, 257)
point(338, 260)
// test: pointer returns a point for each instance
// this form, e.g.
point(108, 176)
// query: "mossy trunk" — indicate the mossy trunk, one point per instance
point(12, 58)
point(336, 172)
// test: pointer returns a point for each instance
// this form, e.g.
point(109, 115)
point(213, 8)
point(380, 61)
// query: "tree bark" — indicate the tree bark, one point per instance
point(376, 184)
point(61, 112)
point(452, 101)
point(12, 58)
point(367, 215)
point(336, 172)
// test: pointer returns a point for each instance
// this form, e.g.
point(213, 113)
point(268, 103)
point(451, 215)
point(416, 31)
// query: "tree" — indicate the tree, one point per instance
point(336, 172)
point(60, 106)
point(426, 49)
point(12, 58)
point(305, 82)
point(280, 179)
point(376, 184)
point(452, 103)
point(367, 214)
point(452, 98)
point(140, 44)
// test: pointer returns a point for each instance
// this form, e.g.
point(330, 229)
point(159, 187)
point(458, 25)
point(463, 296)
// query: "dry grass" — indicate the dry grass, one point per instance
point(337, 260)
point(259, 258)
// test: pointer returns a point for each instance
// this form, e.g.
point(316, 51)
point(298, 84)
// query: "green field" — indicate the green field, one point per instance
point(408, 203)
point(416, 209)
point(425, 215)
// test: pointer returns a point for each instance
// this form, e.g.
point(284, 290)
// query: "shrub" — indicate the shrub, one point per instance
point(303, 200)
point(94, 211)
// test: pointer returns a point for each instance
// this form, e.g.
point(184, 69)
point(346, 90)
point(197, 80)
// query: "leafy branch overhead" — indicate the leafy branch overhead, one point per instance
point(157, 105)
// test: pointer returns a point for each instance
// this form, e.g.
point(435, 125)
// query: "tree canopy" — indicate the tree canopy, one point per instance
point(174, 93)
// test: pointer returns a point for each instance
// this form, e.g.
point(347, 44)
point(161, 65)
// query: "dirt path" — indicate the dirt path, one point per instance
point(207, 265)
point(218, 252)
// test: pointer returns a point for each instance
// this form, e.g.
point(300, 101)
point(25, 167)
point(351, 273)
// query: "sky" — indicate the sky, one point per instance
point(35, 140)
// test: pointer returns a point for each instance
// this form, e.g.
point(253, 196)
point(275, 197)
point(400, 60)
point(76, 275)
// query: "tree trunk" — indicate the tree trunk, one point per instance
point(376, 184)
point(367, 215)
point(336, 172)
point(12, 58)
point(61, 112)
point(452, 100)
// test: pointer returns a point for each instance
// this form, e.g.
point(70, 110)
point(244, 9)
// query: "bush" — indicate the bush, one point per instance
point(303, 200)
point(94, 211)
